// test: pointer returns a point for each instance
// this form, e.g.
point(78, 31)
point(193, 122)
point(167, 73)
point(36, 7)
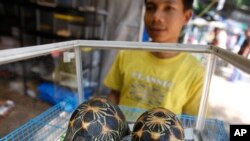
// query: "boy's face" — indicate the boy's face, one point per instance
point(164, 19)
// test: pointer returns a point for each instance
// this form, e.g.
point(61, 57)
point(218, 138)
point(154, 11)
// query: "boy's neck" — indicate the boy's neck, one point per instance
point(166, 54)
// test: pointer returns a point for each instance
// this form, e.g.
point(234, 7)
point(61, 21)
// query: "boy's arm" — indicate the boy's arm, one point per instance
point(114, 96)
point(114, 79)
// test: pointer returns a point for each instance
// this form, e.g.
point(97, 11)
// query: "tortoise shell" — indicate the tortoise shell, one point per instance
point(158, 124)
point(97, 120)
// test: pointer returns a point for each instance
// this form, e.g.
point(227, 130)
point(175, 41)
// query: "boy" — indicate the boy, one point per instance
point(172, 80)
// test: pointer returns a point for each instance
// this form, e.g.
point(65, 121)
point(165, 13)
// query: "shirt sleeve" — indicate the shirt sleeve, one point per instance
point(114, 78)
point(191, 106)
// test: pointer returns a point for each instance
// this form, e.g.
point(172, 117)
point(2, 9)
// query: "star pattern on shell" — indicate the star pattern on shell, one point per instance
point(157, 124)
point(97, 120)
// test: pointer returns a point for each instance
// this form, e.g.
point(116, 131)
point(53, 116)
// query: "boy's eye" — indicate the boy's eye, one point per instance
point(150, 8)
point(167, 8)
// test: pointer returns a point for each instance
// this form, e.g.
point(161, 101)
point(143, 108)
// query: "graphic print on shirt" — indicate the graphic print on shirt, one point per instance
point(149, 90)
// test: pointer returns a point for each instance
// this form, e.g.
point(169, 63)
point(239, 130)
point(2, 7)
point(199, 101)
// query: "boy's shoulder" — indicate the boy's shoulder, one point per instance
point(193, 61)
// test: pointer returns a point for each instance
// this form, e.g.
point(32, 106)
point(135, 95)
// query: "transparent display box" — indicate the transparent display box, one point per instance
point(224, 93)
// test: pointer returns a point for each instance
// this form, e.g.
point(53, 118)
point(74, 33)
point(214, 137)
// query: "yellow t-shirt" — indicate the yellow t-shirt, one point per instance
point(146, 81)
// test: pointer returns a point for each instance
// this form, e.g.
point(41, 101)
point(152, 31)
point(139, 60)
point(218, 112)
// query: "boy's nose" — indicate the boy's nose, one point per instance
point(158, 16)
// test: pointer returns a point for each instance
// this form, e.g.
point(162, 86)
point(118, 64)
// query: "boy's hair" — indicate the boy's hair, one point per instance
point(188, 4)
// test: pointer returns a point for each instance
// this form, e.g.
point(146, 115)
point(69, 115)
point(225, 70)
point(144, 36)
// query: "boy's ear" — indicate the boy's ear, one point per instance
point(187, 15)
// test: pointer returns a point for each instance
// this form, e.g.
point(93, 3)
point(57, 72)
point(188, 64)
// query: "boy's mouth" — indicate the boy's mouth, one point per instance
point(157, 30)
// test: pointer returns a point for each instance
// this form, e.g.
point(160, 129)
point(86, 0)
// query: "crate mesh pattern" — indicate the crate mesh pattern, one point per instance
point(52, 124)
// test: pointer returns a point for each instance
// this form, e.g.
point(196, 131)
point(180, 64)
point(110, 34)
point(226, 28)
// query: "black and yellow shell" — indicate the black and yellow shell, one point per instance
point(97, 120)
point(158, 124)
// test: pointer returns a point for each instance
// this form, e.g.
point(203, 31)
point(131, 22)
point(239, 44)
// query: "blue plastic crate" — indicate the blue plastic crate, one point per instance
point(46, 127)
point(52, 124)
